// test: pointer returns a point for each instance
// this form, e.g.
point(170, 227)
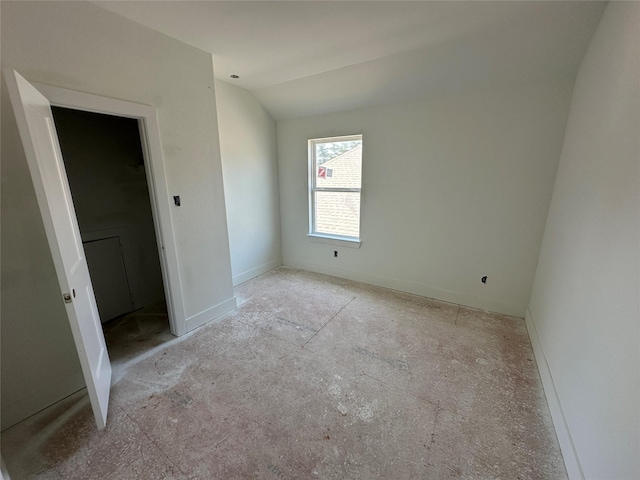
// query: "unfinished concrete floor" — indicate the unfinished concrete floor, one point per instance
point(311, 377)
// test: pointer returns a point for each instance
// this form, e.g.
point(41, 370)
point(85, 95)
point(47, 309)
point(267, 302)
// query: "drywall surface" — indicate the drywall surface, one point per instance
point(584, 302)
point(104, 163)
point(453, 188)
point(250, 172)
point(80, 46)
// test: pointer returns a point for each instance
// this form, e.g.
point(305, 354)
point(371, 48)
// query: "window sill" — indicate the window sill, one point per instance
point(340, 242)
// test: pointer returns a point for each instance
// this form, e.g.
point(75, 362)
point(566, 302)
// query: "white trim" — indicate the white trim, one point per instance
point(254, 272)
point(474, 301)
point(339, 138)
point(161, 203)
point(211, 313)
point(337, 241)
point(88, 102)
point(339, 190)
point(156, 180)
point(569, 454)
point(312, 187)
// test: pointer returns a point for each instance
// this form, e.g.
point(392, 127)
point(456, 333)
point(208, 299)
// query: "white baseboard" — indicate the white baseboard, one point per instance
point(571, 460)
point(210, 314)
point(38, 400)
point(254, 272)
point(474, 301)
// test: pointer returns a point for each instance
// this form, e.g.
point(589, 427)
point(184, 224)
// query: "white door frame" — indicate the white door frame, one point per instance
point(156, 180)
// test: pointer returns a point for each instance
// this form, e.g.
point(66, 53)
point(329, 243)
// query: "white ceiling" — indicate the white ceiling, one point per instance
point(306, 57)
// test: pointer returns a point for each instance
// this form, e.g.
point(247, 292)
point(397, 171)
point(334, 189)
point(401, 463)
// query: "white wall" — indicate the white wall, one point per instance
point(453, 188)
point(80, 46)
point(584, 312)
point(250, 170)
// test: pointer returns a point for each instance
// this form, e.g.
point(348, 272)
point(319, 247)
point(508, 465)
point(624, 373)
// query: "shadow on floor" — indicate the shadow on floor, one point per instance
point(131, 336)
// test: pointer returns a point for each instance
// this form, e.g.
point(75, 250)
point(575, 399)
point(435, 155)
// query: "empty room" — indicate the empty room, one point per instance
point(320, 239)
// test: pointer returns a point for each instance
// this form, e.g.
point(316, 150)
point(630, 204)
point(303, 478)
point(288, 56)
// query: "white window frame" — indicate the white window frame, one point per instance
point(340, 240)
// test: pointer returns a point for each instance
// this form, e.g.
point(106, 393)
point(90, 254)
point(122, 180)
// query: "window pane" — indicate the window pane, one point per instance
point(337, 213)
point(339, 164)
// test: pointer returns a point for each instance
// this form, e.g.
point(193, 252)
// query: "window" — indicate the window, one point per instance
point(335, 174)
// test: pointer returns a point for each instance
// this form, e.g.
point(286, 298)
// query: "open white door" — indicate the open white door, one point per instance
point(37, 131)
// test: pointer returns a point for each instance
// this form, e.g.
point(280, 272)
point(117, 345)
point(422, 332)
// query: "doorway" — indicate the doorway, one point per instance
point(104, 163)
point(32, 104)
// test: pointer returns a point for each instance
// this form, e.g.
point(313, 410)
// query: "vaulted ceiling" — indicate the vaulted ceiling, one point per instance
point(307, 57)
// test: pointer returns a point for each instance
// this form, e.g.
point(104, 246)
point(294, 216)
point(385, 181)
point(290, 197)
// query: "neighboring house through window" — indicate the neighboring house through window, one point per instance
point(335, 174)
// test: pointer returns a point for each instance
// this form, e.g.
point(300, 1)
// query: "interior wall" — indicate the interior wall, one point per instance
point(453, 188)
point(105, 167)
point(584, 305)
point(80, 46)
point(250, 171)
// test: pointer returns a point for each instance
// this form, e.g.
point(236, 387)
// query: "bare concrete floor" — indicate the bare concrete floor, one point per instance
point(311, 377)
